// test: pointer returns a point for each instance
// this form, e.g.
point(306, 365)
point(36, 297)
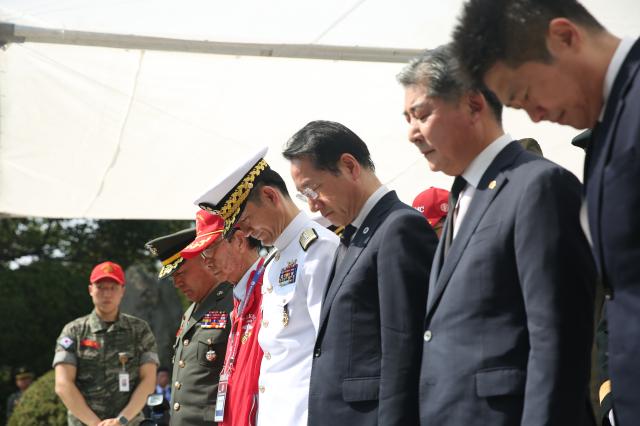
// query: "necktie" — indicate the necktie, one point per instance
point(347, 233)
point(345, 241)
point(458, 184)
point(589, 149)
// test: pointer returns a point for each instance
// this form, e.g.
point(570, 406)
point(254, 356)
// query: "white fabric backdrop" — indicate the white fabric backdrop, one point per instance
point(114, 133)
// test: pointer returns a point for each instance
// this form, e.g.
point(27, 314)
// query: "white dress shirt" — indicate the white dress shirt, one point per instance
point(473, 173)
point(369, 204)
point(623, 49)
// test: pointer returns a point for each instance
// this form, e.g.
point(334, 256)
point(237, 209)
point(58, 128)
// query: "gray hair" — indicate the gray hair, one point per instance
point(438, 71)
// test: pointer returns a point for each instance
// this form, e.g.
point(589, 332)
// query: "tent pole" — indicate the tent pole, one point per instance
point(11, 33)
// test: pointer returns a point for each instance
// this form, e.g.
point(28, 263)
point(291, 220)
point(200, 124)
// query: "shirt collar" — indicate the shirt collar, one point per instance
point(368, 205)
point(240, 288)
point(291, 231)
point(617, 60)
point(97, 324)
point(474, 171)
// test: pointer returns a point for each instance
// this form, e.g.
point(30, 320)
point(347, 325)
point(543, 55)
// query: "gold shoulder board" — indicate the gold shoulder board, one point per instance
point(307, 238)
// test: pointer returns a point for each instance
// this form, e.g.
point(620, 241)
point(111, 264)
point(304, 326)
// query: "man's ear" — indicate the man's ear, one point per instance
point(476, 104)
point(238, 237)
point(562, 36)
point(270, 194)
point(350, 166)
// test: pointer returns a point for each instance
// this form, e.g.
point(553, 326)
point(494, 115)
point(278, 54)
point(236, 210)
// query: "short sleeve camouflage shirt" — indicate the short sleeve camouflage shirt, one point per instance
point(97, 348)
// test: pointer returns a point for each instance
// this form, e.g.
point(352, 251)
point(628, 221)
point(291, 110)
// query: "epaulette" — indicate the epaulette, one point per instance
point(307, 238)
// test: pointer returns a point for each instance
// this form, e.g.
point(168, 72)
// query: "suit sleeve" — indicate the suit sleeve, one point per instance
point(404, 263)
point(557, 276)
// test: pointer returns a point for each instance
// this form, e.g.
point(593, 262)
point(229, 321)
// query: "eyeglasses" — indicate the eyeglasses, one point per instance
point(308, 194)
point(208, 252)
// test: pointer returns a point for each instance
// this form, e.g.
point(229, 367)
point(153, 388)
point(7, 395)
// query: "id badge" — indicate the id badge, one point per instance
point(123, 380)
point(222, 396)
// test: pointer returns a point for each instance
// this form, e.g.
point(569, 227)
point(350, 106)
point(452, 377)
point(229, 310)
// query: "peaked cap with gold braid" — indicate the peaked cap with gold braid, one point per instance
point(167, 250)
point(228, 197)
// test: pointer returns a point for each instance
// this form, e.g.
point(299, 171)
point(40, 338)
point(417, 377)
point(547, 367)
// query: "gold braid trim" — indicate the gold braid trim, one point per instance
point(171, 259)
point(605, 389)
point(231, 208)
point(170, 268)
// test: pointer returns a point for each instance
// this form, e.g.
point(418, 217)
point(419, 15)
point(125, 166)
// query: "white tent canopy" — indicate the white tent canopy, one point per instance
point(139, 129)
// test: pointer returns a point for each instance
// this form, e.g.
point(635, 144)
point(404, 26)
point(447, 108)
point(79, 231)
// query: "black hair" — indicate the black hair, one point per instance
point(510, 31)
point(268, 177)
point(324, 142)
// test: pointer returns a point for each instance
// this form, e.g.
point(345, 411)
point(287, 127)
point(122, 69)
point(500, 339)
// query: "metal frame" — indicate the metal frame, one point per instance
point(12, 33)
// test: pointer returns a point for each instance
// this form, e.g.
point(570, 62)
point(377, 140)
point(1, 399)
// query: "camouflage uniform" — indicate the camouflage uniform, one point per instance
point(12, 403)
point(93, 345)
point(200, 348)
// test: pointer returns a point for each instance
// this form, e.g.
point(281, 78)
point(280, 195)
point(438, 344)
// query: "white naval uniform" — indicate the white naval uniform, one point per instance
point(286, 364)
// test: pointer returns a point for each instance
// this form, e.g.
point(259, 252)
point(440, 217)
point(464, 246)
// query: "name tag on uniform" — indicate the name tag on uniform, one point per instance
point(123, 381)
point(222, 396)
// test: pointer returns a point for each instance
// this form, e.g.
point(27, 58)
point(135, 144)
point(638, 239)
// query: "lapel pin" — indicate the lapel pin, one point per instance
point(365, 230)
point(492, 184)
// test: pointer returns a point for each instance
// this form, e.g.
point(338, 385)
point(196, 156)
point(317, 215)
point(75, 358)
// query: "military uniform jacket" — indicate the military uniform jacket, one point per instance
point(200, 348)
point(292, 291)
point(93, 345)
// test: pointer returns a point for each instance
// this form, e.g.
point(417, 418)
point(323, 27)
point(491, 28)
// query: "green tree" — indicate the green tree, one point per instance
point(44, 271)
point(40, 405)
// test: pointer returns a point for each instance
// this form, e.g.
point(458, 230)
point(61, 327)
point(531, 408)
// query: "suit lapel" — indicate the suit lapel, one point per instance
point(490, 185)
point(438, 258)
point(604, 138)
point(358, 243)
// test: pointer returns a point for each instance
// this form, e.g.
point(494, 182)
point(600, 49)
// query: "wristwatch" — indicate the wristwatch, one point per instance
point(123, 420)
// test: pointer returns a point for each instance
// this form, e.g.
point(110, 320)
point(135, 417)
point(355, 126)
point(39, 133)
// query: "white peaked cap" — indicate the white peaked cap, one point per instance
point(229, 179)
point(228, 196)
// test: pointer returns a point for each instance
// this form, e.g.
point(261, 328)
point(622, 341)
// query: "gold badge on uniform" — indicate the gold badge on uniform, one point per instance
point(285, 316)
point(288, 273)
point(247, 327)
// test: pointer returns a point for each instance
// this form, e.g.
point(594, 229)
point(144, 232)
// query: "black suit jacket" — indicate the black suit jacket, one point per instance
point(612, 180)
point(509, 320)
point(367, 353)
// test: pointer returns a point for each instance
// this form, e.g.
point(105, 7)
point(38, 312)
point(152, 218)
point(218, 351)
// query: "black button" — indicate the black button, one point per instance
point(316, 353)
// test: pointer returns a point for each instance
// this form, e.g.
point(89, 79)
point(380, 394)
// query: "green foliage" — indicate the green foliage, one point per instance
point(44, 272)
point(40, 405)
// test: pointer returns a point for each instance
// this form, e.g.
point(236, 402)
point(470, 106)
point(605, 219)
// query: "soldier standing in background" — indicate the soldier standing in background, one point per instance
point(24, 378)
point(105, 362)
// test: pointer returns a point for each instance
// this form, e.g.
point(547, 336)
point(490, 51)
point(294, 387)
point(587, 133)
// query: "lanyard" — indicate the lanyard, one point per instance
point(257, 274)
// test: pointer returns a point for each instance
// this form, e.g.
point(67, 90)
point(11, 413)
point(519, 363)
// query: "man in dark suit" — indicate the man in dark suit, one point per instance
point(367, 352)
point(509, 319)
point(556, 61)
